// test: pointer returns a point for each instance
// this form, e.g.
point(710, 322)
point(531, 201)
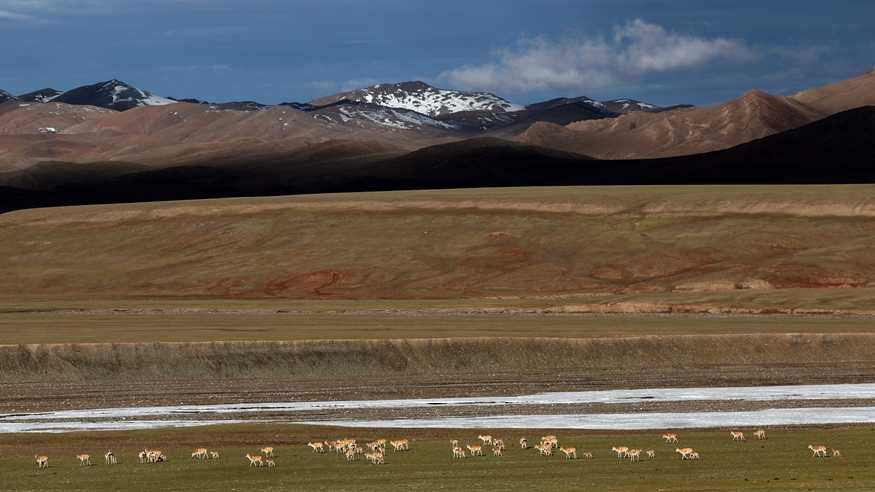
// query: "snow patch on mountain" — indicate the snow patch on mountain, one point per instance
point(423, 98)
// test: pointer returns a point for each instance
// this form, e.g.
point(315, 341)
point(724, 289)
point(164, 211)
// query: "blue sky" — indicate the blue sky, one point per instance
point(696, 51)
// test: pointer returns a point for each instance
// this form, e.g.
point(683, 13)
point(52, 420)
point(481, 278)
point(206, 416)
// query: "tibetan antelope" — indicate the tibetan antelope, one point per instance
point(475, 449)
point(400, 445)
point(256, 461)
point(620, 451)
point(498, 443)
point(586, 455)
point(552, 440)
point(634, 455)
point(84, 459)
point(544, 449)
point(214, 455)
point(760, 434)
point(684, 452)
point(110, 459)
point(458, 452)
point(41, 461)
point(570, 453)
point(317, 447)
point(694, 455)
point(651, 453)
point(141, 456)
point(486, 439)
point(817, 450)
point(270, 463)
point(736, 436)
point(200, 454)
point(836, 453)
point(497, 451)
point(670, 437)
point(375, 458)
point(524, 443)
point(267, 452)
point(351, 454)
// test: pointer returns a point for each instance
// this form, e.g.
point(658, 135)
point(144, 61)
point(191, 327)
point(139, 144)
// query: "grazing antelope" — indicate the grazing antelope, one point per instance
point(498, 443)
point(400, 445)
point(84, 459)
point(570, 453)
point(141, 456)
point(497, 451)
point(475, 449)
point(651, 453)
point(620, 451)
point(200, 454)
point(351, 455)
point(552, 440)
point(487, 439)
point(256, 461)
point(214, 455)
point(634, 455)
point(760, 434)
point(41, 461)
point(836, 453)
point(375, 458)
point(684, 452)
point(524, 443)
point(670, 437)
point(155, 456)
point(110, 459)
point(586, 455)
point(270, 463)
point(736, 436)
point(544, 449)
point(267, 452)
point(317, 447)
point(694, 455)
point(817, 450)
point(458, 452)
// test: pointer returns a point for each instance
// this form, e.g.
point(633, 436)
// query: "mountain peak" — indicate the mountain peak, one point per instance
point(5, 96)
point(112, 94)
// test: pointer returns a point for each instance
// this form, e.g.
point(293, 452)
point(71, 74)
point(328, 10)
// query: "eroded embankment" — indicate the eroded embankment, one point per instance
point(755, 357)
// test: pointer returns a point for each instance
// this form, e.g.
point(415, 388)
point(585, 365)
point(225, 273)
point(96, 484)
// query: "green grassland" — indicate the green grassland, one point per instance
point(780, 463)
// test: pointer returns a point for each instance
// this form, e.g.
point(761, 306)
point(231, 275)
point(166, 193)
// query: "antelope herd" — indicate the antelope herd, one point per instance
point(374, 451)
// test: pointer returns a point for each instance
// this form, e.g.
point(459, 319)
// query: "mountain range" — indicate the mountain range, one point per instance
point(113, 142)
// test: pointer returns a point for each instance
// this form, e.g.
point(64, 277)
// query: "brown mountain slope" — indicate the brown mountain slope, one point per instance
point(841, 96)
point(681, 132)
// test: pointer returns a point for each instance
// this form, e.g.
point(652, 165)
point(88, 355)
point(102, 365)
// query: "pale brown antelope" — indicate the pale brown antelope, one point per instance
point(267, 451)
point(400, 445)
point(110, 459)
point(41, 461)
point(694, 455)
point(375, 458)
point(684, 452)
point(214, 455)
point(818, 450)
point(760, 434)
point(317, 447)
point(255, 460)
point(544, 449)
point(475, 449)
point(458, 452)
point(141, 456)
point(736, 435)
point(270, 463)
point(200, 454)
point(570, 453)
point(84, 459)
point(651, 453)
point(586, 455)
point(524, 443)
point(351, 455)
point(486, 439)
point(552, 440)
point(634, 455)
point(836, 453)
point(670, 437)
point(497, 451)
point(620, 451)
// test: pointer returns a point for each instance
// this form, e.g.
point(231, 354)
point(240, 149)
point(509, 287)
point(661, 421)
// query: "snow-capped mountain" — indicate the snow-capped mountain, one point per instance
point(623, 106)
point(5, 96)
point(596, 106)
point(422, 98)
point(366, 114)
point(40, 96)
point(113, 94)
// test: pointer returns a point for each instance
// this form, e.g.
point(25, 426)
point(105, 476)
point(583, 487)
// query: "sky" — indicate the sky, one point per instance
point(660, 51)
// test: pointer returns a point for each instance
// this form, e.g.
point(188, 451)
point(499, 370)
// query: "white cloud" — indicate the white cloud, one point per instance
point(636, 48)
